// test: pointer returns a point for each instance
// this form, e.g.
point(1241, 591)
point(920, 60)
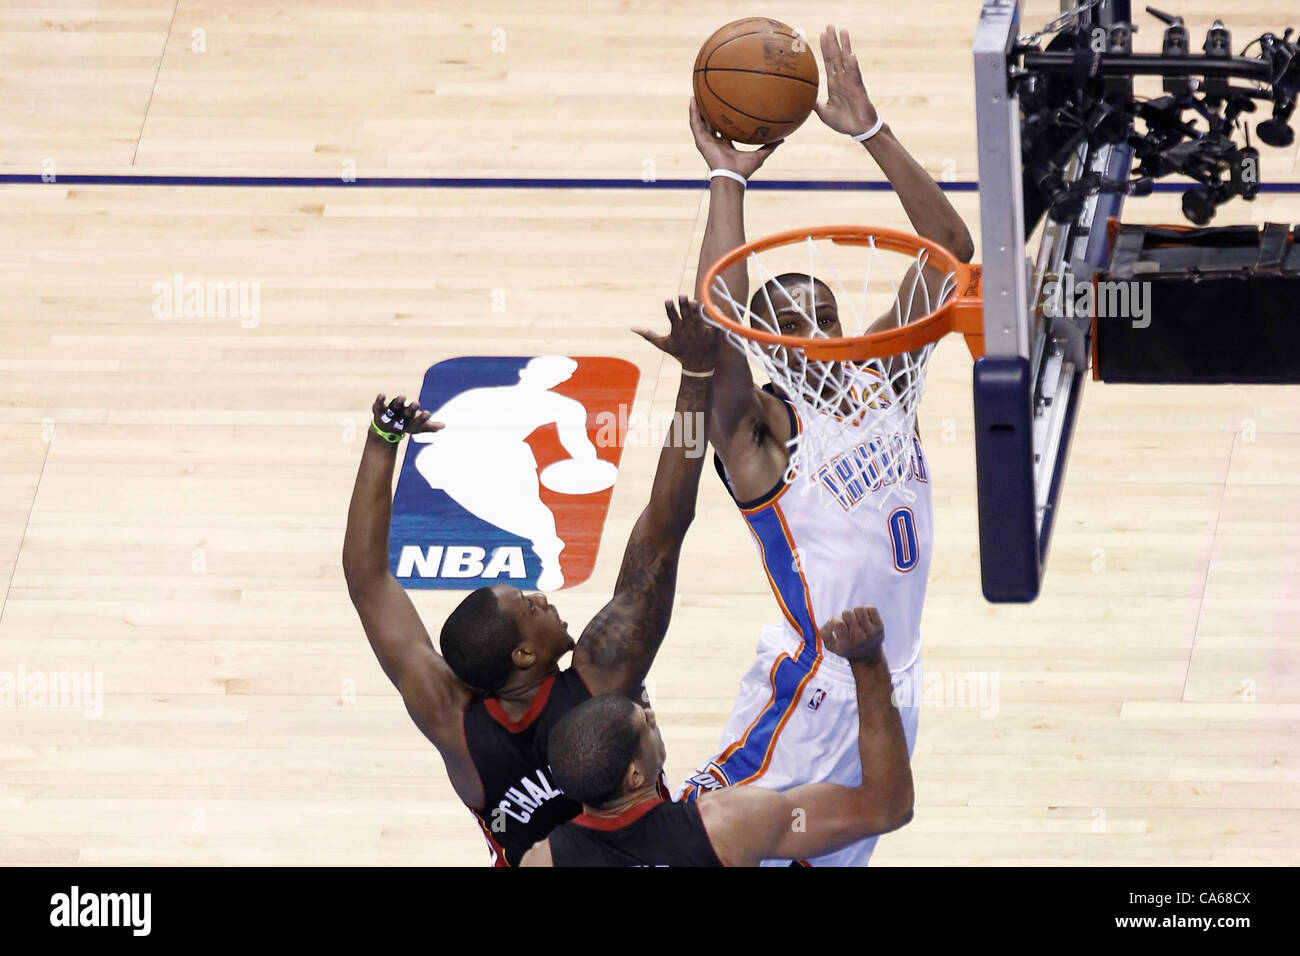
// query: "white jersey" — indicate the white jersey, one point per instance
point(823, 557)
point(795, 719)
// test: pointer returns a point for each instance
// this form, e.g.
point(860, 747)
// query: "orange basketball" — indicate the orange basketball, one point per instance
point(755, 80)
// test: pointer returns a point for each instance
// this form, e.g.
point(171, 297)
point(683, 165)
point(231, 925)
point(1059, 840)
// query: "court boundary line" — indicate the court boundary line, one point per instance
point(448, 182)
point(27, 524)
point(153, 87)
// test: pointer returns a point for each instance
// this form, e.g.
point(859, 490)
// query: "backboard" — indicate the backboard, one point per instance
point(1028, 384)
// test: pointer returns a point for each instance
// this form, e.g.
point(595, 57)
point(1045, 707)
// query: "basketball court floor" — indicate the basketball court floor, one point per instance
point(174, 489)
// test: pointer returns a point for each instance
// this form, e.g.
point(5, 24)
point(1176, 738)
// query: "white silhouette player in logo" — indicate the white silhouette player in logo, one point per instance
point(482, 461)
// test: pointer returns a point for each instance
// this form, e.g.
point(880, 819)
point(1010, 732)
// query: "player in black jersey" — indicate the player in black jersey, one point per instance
point(490, 704)
point(608, 754)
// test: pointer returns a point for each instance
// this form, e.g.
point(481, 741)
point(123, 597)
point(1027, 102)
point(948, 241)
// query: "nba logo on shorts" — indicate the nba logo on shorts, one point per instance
point(515, 489)
point(816, 699)
point(710, 778)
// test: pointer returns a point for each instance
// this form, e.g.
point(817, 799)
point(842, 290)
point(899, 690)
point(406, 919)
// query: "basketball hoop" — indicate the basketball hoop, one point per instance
point(855, 396)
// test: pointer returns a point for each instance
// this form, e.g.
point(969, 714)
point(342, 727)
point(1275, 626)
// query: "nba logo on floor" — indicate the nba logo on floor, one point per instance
point(515, 489)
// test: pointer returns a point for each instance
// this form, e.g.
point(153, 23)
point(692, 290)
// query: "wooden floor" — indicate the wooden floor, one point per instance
point(173, 491)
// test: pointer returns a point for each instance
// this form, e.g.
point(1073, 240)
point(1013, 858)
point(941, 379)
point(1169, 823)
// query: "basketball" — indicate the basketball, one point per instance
point(755, 80)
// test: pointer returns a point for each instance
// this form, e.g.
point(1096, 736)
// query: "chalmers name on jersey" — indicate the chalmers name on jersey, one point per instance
point(521, 803)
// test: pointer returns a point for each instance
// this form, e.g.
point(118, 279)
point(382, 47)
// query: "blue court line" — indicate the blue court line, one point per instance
point(460, 182)
point(457, 182)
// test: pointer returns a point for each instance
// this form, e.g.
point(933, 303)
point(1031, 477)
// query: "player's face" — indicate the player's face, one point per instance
point(804, 302)
point(809, 310)
point(538, 621)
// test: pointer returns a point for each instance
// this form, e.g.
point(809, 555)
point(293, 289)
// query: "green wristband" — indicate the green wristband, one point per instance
point(391, 437)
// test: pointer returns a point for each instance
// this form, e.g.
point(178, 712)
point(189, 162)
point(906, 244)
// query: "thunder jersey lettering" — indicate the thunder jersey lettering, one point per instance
point(821, 558)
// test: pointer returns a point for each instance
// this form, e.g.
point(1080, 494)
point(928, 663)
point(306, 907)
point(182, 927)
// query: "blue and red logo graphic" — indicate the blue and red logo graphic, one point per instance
point(515, 489)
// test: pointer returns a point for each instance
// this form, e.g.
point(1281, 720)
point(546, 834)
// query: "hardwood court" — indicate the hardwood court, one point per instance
point(174, 489)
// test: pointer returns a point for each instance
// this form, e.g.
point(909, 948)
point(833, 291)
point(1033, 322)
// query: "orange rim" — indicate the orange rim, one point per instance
point(963, 312)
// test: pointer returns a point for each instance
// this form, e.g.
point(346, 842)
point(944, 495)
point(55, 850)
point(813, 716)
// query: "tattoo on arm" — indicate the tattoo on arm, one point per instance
point(621, 641)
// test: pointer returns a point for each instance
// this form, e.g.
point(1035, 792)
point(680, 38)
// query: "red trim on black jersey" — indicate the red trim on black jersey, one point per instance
point(493, 707)
point(626, 818)
point(496, 849)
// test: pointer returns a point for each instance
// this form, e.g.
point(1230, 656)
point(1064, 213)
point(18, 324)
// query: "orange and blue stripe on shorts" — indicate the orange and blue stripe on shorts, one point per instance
point(748, 758)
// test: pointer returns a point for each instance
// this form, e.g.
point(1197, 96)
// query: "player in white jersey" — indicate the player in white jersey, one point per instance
point(795, 718)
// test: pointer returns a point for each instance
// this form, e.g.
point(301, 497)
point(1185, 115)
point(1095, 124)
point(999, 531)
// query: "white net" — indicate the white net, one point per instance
point(857, 418)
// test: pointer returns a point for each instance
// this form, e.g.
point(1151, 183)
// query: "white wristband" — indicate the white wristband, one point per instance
point(876, 127)
point(730, 174)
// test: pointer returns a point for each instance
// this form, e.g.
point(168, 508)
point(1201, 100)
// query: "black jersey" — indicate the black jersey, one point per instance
point(521, 803)
point(653, 833)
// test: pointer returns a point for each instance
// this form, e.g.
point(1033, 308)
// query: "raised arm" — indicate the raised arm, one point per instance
point(747, 823)
point(738, 407)
point(849, 110)
point(618, 646)
point(434, 696)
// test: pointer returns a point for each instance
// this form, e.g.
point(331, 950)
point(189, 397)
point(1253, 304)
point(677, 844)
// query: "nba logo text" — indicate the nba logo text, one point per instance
point(515, 488)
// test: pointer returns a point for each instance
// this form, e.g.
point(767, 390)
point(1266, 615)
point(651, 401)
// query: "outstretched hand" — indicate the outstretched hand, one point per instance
point(401, 418)
point(848, 108)
point(690, 339)
point(721, 153)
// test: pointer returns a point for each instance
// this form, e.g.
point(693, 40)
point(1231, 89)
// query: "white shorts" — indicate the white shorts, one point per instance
point(794, 722)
